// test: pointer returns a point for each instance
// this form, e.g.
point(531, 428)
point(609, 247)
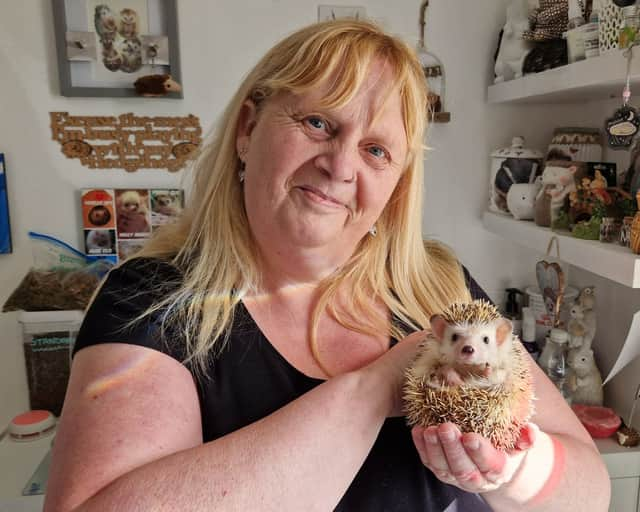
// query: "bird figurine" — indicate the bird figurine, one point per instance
point(156, 85)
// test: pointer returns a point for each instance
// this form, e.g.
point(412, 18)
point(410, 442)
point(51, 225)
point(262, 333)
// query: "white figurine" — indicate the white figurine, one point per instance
point(557, 182)
point(513, 47)
point(581, 327)
point(585, 381)
point(521, 199)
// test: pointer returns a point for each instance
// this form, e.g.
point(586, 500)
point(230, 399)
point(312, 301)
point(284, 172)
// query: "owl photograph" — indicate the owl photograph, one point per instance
point(119, 26)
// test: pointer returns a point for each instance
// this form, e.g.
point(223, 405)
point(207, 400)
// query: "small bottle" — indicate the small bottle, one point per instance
point(629, 29)
point(591, 35)
point(529, 332)
point(553, 359)
point(575, 38)
point(512, 310)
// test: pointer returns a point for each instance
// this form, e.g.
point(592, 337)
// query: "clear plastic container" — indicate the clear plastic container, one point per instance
point(48, 338)
point(553, 359)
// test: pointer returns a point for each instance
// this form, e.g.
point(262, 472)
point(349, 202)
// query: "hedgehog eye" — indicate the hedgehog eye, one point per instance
point(454, 337)
point(485, 339)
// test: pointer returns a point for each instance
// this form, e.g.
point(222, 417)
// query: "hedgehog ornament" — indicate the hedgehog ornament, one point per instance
point(472, 371)
point(156, 85)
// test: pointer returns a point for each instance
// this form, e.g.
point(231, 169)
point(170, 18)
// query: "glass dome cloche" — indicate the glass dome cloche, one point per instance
point(434, 73)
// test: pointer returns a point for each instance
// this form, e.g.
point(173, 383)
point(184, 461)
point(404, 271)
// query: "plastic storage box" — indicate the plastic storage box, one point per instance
point(48, 338)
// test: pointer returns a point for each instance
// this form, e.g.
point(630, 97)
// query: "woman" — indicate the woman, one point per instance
point(247, 360)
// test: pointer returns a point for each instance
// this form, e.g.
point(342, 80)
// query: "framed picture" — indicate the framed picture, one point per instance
point(104, 46)
point(5, 227)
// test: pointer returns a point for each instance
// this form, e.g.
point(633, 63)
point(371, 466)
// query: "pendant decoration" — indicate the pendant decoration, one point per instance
point(624, 124)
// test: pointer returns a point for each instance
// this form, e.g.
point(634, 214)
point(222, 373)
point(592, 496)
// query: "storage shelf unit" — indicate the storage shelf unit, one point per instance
point(597, 78)
point(607, 260)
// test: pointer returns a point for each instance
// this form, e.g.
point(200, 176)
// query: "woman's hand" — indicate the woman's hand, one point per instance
point(389, 369)
point(469, 461)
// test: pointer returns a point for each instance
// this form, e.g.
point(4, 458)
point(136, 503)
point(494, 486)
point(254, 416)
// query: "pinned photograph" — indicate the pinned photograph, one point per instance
point(166, 205)
point(132, 213)
point(99, 241)
point(98, 209)
point(128, 248)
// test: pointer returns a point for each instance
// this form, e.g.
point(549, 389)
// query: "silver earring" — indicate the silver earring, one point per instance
point(241, 154)
point(373, 231)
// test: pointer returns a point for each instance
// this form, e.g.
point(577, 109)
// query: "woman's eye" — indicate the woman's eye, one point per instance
point(377, 151)
point(317, 122)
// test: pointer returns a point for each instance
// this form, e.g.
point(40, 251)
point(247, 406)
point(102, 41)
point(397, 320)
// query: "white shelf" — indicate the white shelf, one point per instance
point(611, 261)
point(597, 78)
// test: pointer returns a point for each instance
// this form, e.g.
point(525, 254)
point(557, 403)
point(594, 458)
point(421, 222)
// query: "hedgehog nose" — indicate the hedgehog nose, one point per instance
point(467, 349)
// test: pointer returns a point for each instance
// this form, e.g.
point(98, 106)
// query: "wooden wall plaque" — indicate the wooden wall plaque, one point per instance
point(127, 141)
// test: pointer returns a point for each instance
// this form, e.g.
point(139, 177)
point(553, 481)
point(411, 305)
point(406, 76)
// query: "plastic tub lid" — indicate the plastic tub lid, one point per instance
point(27, 317)
point(31, 425)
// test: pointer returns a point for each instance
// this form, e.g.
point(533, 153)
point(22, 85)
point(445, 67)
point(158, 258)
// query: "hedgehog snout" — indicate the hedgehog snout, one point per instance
point(468, 349)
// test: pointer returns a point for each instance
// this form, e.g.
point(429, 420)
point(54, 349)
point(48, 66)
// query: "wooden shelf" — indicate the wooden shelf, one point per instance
point(611, 261)
point(598, 78)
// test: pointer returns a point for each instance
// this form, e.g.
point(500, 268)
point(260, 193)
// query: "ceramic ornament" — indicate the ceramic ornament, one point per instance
point(515, 164)
point(513, 47)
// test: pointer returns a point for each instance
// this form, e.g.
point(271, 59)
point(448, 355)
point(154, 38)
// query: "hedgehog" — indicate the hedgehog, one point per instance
point(156, 85)
point(472, 371)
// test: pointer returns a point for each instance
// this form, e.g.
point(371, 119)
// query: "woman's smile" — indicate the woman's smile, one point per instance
point(317, 196)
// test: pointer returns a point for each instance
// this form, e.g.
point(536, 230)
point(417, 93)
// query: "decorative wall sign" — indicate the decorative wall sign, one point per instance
point(103, 46)
point(127, 141)
point(117, 222)
point(5, 227)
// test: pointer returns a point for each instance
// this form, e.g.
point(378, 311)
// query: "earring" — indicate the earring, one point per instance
point(373, 231)
point(241, 154)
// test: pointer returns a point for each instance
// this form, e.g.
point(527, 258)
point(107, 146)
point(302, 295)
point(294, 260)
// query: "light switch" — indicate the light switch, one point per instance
point(332, 12)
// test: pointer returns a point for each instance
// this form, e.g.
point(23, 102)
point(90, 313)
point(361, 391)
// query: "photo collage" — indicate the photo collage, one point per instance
point(117, 222)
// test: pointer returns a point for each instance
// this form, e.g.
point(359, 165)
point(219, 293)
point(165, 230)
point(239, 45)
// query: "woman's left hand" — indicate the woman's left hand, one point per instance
point(469, 461)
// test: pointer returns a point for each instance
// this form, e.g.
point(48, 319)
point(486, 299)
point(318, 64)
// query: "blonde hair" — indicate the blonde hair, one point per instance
point(212, 244)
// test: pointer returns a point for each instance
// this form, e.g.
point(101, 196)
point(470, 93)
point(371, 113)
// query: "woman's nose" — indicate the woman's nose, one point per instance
point(340, 162)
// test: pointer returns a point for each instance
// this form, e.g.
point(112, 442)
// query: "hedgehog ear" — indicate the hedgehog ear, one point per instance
point(503, 330)
point(438, 325)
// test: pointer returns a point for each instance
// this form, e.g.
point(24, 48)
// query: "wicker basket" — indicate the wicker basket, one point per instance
point(610, 16)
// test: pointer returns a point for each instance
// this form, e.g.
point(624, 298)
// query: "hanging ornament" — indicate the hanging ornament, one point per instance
point(434, 73)
point(623, 125)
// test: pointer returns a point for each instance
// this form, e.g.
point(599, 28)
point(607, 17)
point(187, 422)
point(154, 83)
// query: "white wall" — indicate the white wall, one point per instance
point(219, 42)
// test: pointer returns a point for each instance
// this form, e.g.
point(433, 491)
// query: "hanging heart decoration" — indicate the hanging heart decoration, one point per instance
point(552, 284)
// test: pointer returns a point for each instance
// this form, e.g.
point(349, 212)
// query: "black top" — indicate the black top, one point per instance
point(250, 379)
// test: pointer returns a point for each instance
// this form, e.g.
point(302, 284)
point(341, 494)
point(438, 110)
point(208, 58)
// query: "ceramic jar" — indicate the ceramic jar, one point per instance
point(576, 144)
point(515, 164)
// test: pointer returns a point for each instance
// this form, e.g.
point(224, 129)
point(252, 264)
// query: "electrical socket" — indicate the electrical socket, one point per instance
point(332, 12)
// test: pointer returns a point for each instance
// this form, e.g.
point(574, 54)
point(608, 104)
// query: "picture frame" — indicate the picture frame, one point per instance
point(104, 46)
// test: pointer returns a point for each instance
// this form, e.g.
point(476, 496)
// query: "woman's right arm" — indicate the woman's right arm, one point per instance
point(130, 438)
